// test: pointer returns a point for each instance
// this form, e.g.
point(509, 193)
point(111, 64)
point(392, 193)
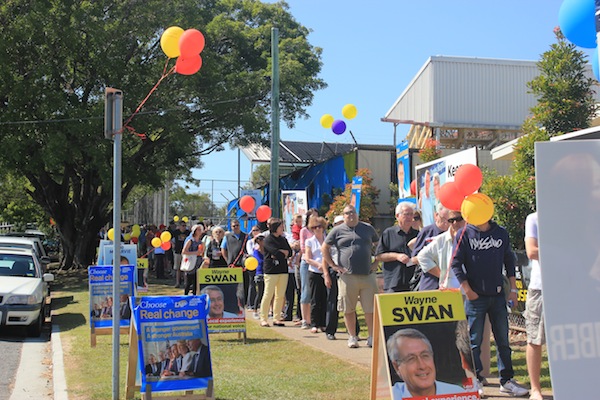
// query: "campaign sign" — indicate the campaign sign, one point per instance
point(356, 192)
point(141, 276)
point(421, 347)
point(431, 177)
point(226, 312)
point(101, 295)
point(173, 347)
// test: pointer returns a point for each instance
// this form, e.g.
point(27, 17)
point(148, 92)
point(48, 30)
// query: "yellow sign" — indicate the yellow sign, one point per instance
point(142, 263)
point(420, 307)
point(216, 276)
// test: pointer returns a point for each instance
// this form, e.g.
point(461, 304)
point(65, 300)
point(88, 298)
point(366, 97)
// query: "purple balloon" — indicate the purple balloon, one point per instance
point(338, 127)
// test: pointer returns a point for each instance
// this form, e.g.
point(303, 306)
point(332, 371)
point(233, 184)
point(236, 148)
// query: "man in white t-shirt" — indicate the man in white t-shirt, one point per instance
point(534, 317)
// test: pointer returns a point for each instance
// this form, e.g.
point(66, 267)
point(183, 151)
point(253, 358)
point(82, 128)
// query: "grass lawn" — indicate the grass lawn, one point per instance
point(269, 366)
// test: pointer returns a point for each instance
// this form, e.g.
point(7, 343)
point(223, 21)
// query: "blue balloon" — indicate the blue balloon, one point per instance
point(576, 21)
point(595, 64)
point(338, 127)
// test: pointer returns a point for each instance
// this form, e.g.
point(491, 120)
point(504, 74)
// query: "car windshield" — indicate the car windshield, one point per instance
point(17, 265)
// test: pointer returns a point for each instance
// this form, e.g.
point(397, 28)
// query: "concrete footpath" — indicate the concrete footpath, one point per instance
point(360, 357)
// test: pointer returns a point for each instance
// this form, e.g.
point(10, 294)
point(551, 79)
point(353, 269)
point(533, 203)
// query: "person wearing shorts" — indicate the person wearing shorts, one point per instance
point(353, 240)
point(534, 317)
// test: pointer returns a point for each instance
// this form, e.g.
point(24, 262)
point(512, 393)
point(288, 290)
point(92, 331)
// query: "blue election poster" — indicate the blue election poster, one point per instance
point(101, 295)
point(173, 348)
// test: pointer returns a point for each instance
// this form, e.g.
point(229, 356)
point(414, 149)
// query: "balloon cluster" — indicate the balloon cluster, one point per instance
point(187, 45)
point(338, 126)
point(247, 204)
point(476, 208)
point(163, 241)
point(576, 19)
point(176, 218)
point(135, 233)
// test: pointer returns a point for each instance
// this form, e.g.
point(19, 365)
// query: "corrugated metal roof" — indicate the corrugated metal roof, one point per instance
point(298, 152)
point(466, 92)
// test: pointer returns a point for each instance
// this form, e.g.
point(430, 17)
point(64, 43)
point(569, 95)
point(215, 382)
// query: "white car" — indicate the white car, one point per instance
point(23, 290)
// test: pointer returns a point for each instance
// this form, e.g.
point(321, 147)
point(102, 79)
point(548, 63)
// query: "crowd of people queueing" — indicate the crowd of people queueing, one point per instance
point(313, 270)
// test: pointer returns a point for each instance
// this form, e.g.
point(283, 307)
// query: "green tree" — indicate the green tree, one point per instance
point(183, 203)
point(17, 207)
point(59, 56)
point(565, 103)
point(368, 198)
point(261, 176)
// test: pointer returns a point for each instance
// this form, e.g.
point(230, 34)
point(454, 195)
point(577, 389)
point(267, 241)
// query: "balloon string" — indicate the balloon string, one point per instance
point(445, 280)
point(165, 74)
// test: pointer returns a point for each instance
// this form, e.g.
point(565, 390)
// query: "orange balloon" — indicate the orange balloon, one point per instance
point(450, 196)
point(191, 43)
point(247, 203)
point(165, 245)
point(263, 213)
point(188, 65)
point(468, 178)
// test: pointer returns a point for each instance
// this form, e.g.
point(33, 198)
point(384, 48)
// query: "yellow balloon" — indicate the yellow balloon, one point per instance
point(110, 234)
point(349, 111)
point(156, 242)
point(165, 236)
point(135, 227)
point(185, 219)
point(327, 121)
point(251, 263)
point(176, 218)
point(127, 236)
point(169, 41)
point(477, 208)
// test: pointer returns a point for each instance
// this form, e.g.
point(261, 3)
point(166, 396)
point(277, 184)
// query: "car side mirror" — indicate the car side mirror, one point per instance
point(45, 260)
point(48, 277)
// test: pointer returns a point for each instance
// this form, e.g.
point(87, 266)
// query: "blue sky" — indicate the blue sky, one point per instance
point(371, 52)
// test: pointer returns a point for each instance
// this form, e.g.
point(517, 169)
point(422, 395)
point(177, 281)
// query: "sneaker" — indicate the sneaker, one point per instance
point(369, 341)
point(304, 325)
point(484, 381)
point(479, 387)
point(256, 315)
point(330, 336)
point(513, 388)
point(353, 342)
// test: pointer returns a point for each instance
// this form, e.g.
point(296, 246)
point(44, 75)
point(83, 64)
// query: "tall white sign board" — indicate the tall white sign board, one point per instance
point(568, 201)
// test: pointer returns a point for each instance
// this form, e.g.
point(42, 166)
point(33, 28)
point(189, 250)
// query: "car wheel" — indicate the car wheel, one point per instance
point(35, 329)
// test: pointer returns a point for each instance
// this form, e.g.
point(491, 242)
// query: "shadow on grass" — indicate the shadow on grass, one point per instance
point(250, 340)
point(61, 302)
point(74, 280)
point(68, 321)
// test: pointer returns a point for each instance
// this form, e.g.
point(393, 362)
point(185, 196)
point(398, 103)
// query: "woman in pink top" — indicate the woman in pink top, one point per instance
point(305, 234)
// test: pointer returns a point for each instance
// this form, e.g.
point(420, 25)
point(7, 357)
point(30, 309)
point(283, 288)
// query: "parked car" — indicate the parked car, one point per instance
point(26, 242)
point(23, 290)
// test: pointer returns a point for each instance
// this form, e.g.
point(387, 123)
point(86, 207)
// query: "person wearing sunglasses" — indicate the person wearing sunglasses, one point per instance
point(425, 236)
point(434, 258)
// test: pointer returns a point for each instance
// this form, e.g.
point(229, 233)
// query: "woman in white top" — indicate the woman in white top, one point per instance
point(318, 286)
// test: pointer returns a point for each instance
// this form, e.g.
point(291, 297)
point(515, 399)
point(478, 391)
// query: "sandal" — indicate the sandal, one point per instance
point(278, 323)
point(265, 324)
point(314, 329)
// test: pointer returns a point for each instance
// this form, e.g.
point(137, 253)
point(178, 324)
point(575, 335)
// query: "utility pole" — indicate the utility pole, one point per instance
point(113, 126)
point(274, 182)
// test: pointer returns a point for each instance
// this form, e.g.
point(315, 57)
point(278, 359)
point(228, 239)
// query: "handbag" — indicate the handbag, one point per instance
point(188, 262)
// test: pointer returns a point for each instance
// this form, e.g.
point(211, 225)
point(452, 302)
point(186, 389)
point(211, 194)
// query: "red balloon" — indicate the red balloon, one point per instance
point(134, 240)
point(263, 213)
point(247, 204)
point(188, 65)
point(413, 187)
point(191, 43)
point(166, 245)
point(450, 196)
point(468, 178)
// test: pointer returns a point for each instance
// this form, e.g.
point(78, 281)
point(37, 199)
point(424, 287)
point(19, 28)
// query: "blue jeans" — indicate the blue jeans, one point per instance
point(495, 308)
point(304, 284)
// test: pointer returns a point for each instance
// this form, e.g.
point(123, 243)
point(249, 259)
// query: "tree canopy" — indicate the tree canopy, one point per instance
point(58, 58)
